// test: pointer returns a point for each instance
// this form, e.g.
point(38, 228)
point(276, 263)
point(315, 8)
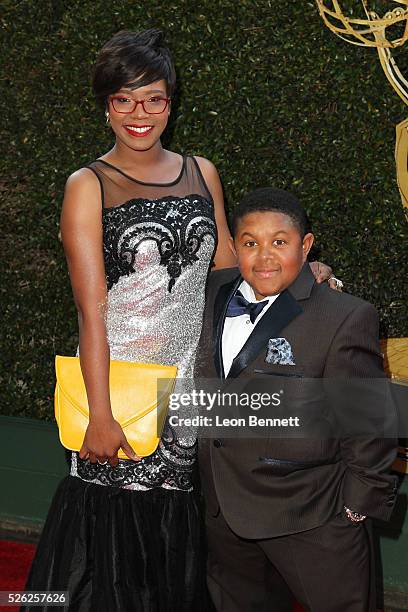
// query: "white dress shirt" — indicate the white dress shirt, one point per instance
point(238, 329)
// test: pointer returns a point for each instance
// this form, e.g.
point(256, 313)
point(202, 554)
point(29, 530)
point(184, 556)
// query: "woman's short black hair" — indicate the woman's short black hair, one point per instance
point(272, 199)
point(132, 59)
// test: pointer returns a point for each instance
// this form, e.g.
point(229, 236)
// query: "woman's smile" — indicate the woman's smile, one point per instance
point(138, 131)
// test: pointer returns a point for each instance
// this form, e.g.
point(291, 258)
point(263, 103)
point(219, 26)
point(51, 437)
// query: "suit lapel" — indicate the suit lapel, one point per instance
point(284, 309)
point(222, 300)
point(278, 316)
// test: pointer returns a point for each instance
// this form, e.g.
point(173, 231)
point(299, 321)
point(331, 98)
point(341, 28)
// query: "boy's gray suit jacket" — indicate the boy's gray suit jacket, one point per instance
point(267, 487)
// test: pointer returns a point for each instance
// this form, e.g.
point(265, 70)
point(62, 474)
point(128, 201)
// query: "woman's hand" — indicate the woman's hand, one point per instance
point(323, 273)
point(103, 438)
point(81, 230)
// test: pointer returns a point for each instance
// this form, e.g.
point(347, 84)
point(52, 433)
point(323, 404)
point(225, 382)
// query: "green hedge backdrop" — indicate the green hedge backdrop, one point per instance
point(265, 91)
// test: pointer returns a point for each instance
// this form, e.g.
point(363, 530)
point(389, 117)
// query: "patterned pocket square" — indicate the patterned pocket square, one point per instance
point(279, 352)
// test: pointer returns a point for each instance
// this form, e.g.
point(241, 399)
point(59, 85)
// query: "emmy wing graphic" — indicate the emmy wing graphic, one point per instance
point(379, 32)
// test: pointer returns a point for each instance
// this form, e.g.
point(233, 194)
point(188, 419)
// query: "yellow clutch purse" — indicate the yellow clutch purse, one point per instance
point(139, 398)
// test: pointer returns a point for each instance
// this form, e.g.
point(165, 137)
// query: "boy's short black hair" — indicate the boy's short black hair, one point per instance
point(272, 199)
point(132, 59)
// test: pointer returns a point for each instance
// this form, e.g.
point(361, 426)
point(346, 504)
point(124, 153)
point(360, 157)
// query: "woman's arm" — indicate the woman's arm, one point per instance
point(224, 257)
point(81, 230)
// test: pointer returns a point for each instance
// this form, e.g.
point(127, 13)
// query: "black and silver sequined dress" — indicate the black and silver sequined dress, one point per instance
point(128, 538)
point(157, 249)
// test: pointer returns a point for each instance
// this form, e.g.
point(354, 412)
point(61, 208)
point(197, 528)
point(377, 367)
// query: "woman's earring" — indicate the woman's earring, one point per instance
point(107, 116)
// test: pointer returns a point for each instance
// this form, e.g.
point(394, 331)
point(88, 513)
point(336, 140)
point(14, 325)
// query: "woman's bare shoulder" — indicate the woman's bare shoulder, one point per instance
point(82, 179)
point(82, 192)
point(206, 166)
point(83, 182)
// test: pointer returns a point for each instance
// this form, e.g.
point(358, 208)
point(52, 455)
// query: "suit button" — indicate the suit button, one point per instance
point(217, 443)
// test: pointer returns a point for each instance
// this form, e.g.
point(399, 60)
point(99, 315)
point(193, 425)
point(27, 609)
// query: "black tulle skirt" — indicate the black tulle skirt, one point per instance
point(116, 550)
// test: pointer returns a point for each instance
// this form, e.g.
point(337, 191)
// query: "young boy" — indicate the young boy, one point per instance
point(297, 507)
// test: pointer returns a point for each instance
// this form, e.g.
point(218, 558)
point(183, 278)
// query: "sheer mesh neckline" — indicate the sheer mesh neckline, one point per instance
point(131, 178)
point(118, 188)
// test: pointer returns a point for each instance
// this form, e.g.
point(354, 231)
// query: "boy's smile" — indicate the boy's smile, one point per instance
point(270, 251)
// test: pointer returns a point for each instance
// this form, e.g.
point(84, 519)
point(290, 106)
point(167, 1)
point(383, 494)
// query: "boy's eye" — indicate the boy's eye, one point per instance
point(250, 243)
point(279, 242)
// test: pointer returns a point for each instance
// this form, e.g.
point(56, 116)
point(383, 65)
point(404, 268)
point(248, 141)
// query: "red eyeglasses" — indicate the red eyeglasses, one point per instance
point(152, 106)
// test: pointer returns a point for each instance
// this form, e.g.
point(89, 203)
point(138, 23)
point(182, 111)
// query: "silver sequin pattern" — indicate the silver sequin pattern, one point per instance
point(157, 257)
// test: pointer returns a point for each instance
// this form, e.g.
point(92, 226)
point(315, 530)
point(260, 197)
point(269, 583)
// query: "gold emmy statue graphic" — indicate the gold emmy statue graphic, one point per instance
point(384, 34)
point(373, 31)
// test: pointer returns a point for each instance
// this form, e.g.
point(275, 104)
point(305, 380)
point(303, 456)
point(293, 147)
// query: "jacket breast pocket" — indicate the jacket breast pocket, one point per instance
point(280, 370)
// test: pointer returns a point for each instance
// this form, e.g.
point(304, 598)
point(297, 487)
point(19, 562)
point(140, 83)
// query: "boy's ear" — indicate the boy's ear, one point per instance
point(307, 245)
point(232, 245)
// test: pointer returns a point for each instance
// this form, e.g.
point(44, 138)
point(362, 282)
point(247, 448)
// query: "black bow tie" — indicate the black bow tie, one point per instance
point(239, 306)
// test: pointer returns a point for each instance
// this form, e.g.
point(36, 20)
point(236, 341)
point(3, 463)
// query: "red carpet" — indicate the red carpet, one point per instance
point(15, 561)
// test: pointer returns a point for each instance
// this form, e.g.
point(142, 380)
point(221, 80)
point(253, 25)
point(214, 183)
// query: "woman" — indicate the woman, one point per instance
point(141, 227)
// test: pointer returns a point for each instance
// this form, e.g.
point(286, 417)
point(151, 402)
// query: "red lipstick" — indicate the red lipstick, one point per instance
point(138, 131)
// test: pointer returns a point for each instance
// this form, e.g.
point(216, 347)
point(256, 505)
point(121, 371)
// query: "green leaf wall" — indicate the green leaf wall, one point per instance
point(265, 91)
